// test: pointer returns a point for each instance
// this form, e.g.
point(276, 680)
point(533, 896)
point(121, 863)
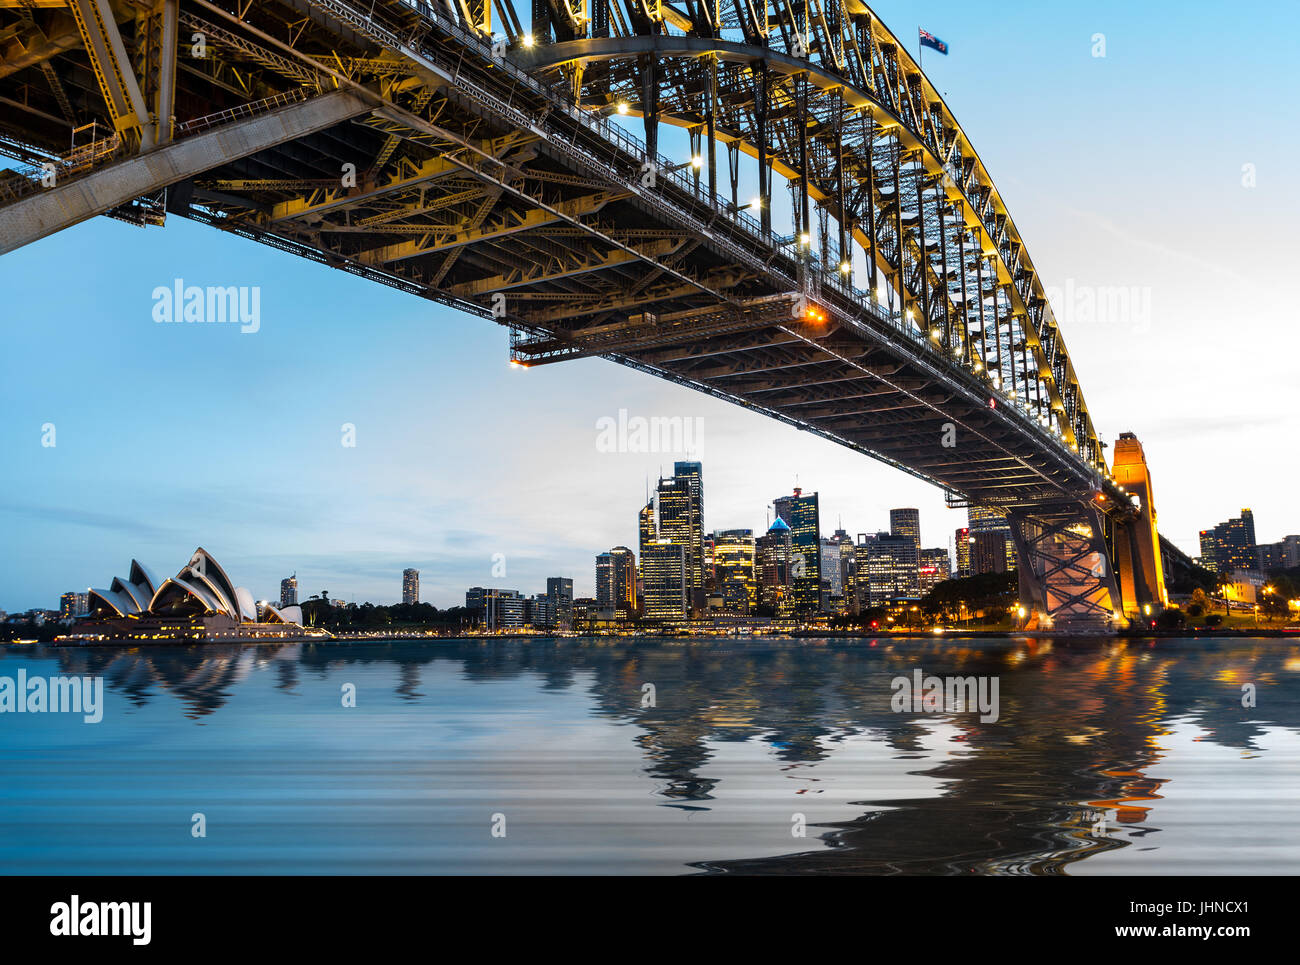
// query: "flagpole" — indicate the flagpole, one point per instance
point(920, 52)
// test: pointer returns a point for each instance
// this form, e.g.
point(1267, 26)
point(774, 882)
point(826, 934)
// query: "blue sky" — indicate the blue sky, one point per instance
point(1124, 171)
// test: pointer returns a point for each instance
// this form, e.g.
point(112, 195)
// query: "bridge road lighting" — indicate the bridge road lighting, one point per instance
point(755, 204)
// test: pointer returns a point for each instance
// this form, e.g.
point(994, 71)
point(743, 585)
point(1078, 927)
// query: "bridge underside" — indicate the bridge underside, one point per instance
point(460, 177)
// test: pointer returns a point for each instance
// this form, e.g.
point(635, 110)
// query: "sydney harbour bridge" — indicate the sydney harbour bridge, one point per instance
point(767, 202)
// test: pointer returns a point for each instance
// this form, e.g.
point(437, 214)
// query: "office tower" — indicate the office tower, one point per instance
point(832, 575)
point(74, 604)
point(961, 547)
point(647, 531)
point(861, 584)
point(1283, 555)
point(559, 590)
point(410, 587)
point(988, 552)
point(663, 574)
point(906, 522)
point(774, 563)
point(1231, 545)
point(733, 570)
point(495, 609)
point(801, 514)
point(936, 566)
point(891, 565)
point(681, 517)
point(289, 591)
point(616, 581)
point(981, 519)
point(539, 612)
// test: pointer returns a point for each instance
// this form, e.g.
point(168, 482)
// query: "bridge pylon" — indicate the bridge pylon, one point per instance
point(1066, 578)
point(1135, 542)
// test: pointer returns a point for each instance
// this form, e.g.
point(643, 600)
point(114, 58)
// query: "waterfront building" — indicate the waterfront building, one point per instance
point(988, 552)
point(681, 519)
point(735, 580)
point(616, 581)
point(539, 612)
point(887, 569)
point(962, 541)
point(982, 519)
point(802, 515)
point(410, 587)
point(935, 567)
point(559, 590)
point(665, 584)
point(495, 609)
point(1231, 544)
point(74, 604)
point(774, 563)
point(200, 603)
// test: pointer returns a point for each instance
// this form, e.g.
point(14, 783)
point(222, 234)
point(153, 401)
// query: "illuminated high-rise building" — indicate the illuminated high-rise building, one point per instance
point(733, 570)
point(616, 581)
point(559, 590)
point(1231, 545)
point(289, 591)
point(961, 548)
point(982, 519)
point(774, 563)
point(74, 604)
point(935, 568)
point(906, 522)
point(681, 518)
point(802, 515)
point(664, 585)
point(887, 569)
point(410, 586)
point(647, 531)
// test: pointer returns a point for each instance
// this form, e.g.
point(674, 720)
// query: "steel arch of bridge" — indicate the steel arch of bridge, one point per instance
point(876, 140)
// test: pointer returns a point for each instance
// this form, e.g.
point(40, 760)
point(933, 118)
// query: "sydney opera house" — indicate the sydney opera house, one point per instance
point(200, 603)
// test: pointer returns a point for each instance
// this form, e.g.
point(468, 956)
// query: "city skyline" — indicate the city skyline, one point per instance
point(333, 350)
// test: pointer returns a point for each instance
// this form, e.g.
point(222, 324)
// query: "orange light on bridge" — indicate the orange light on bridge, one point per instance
point(815, 314)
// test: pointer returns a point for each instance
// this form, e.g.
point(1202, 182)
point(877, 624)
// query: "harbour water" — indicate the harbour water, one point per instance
point(615, 756)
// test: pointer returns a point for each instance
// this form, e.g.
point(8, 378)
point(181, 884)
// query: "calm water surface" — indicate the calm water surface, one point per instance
point(1109, 757)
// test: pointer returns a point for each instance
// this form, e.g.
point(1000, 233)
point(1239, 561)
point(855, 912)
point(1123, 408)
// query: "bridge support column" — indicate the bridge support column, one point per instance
point(1138, 560)
point(1064, 566)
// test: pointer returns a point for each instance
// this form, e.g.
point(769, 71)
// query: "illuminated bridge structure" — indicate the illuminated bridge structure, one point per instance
point(825, 246)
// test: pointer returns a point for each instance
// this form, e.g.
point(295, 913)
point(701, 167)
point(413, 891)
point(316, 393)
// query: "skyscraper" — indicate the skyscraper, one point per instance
point(774, 563)
point(410, 586)
point(559, 590)
point(1231, 545)
point(616, 581)
point(289, 591)
point(982, 519)
point(961, 547)
point(936, 566)
point(733, 568)
point(891, 569)
point(801, 514)
point(906, 523)
point(647, 531)
point(663, 574)
point(988, 552)
point(681, 518)
point(73, 604)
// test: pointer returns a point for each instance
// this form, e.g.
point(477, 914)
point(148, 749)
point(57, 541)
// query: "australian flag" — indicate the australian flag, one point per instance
point(930, 40)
